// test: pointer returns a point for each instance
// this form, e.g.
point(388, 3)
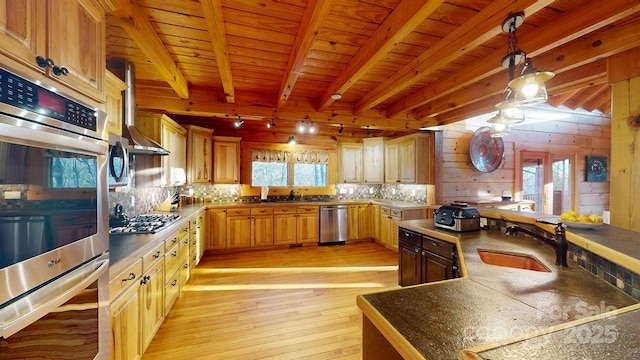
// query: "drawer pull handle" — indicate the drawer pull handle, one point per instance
point(156, 255)
point(175, 282)
point(145, 279)
point(174, 253)
point(435, 244)
point(132, 276)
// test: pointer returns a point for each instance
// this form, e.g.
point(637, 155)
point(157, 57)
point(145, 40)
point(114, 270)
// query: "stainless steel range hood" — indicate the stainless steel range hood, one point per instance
point(138, 143)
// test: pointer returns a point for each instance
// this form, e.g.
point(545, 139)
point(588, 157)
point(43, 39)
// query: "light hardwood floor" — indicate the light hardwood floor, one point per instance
point(290, 303)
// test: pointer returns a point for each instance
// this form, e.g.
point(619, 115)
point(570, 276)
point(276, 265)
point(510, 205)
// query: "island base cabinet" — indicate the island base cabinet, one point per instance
point(153, 302)
point(374, 345)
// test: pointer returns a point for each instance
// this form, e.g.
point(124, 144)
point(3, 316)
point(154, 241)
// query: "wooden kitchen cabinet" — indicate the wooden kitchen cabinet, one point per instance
point(423, 259)
point(171, 136)
point(350, 163)
point(216, 229)
point(199, 154)
point(373, 160)
point(389, 216)
point(352, 222)
point(261, 227)
point(197, 244)
point(70, 33)
point(226, 160)
point(295, 225)
point(366, 222)
point(238, 228)
point(172, 260)
point(113, 105)
point(125, 342)
point(410, 159)
point(152, 292)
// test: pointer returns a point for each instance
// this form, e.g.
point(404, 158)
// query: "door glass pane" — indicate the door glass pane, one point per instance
point(561, 185)
point(533, 180)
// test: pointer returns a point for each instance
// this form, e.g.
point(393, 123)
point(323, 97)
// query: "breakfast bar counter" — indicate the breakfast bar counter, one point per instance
point(493, 307)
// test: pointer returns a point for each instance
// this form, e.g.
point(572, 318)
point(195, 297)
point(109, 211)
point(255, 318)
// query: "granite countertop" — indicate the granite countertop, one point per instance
point(403, 205)
point(491, 304)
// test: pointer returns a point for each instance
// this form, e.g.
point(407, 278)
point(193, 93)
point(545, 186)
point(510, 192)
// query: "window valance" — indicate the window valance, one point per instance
point(270, 155)
point(311, 157)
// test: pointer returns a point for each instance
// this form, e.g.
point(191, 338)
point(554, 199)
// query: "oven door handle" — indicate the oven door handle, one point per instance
point(24, 312)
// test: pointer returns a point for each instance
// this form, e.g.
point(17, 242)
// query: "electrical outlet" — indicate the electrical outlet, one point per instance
point(370, 190)
point(413, 192)
point(343, 191)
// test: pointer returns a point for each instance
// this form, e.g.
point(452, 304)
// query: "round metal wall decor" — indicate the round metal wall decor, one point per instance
point(486, 152)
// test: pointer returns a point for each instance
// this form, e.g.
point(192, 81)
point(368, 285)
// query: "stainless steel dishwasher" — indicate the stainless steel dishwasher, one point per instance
point(333, 224)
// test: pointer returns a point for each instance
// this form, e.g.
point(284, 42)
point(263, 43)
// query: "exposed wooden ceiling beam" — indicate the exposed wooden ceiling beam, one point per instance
point(151, 97)
point(557, 100)
point(474, 32)
point(137, 26)
point(406, 16)
point(314, 15)
point(584, 19)
point(585, 95)
point(212, 10)
point(602, 98)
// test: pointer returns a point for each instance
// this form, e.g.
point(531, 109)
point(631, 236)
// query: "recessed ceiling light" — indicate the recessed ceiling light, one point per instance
point(336, 96)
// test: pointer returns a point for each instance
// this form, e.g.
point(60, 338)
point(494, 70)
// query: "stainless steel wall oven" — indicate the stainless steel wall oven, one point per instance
point(54, 243)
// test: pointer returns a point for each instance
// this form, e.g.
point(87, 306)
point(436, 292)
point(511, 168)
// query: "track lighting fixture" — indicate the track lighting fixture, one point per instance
point(313, 128)
point(341, 129)
point(300, 126)
point(368, 130)
point(292, 140)
point(238, 122)
point(272, 124)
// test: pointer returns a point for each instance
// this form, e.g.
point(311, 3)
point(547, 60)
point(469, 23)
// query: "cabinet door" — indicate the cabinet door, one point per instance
point(262, 230)
point(200, 159)
point(226, 162)
point(152, 302)
point(285, 229)
point(239, 231)
point(217, 229)
point(365, 221)
point(385, 226)
point(22, 30)
point(174, 164)
point(352, 222)
point(125, 341)
point(407, 162)
point(391, 163)
point(113, 106)
point(373, 160)
point(409, 262)
point(435, 267)
point(77, 41)
point(308, 228)
point(350, 170)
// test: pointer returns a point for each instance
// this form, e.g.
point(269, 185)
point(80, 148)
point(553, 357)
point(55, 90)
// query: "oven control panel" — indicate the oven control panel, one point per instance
point(26, 95)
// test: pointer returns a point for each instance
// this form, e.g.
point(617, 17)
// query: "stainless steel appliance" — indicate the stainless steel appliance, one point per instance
point(333, 224)
point(53, 231)
point(118, 161)
point(145, 224)
point(457, 217)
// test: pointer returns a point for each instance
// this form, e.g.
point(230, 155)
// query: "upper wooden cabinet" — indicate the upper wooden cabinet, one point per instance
point(373, 160)
point(68, 35)
point(410, 159)
point(350, 163)
point(113, 105)
point(171, 136)
point(199, 154)
point(226, 160)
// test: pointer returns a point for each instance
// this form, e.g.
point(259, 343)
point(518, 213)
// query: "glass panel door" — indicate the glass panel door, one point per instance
point(547, 179)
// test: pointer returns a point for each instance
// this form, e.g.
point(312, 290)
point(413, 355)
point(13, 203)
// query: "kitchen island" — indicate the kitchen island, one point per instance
point(491, 308)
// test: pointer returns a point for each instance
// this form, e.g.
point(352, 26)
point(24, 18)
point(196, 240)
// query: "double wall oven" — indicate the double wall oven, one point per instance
point(54, 244)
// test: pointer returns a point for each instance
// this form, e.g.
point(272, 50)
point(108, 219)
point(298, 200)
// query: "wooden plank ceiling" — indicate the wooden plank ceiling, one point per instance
point(399, 65)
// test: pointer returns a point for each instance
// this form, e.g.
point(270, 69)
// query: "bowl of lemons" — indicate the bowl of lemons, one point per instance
point(574, 220)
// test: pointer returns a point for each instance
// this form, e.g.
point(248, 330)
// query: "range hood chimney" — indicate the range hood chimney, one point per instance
point(138, 143)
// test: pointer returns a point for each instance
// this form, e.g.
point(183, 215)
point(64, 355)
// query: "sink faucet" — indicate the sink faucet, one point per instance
point(292, 194)
point(559, 243)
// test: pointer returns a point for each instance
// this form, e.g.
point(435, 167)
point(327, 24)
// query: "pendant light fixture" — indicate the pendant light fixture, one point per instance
point(530, 84)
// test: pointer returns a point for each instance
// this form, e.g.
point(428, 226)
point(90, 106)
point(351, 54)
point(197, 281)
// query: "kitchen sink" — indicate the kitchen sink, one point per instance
point(512, 260)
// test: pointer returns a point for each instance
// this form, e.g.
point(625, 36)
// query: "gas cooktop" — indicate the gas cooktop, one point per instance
point(146, 224)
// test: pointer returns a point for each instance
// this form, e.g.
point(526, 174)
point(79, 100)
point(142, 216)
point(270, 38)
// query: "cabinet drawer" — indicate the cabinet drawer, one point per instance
point(261, 211)
point(239, 212)
point(152, 257)
point(197, 219)
point(397, 213)
point(128, 277)
point(410, 237)
point(172, 260)
point(308, 209)
point(172, 290)
point(284, 210)
point(385, 211)
point(440, 247)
